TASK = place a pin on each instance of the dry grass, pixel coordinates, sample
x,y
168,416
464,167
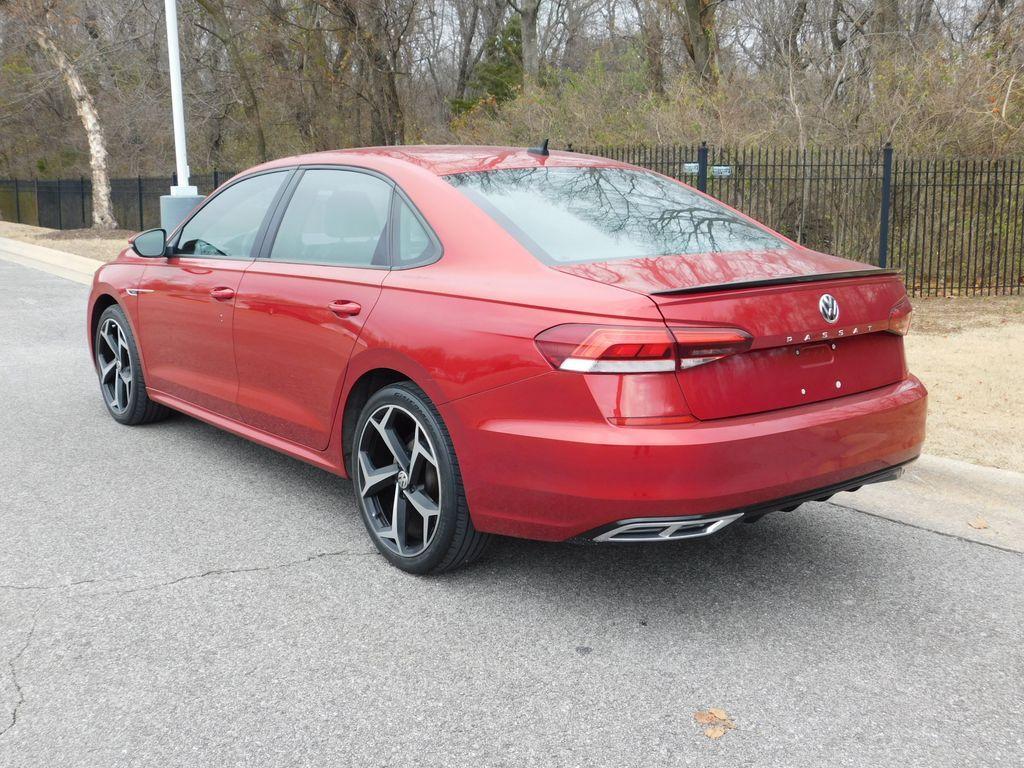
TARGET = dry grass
x,y
102,245
941,316
969,352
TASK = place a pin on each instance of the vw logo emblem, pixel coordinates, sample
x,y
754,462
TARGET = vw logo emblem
x,y
829,307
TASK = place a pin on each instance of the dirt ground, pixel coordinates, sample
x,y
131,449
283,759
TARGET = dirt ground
x,y
103,245
969,352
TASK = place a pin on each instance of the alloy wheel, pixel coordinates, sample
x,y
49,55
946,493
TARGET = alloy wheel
x,y
398,480
115,366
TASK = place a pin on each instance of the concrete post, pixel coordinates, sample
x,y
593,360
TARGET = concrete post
x,y
183,198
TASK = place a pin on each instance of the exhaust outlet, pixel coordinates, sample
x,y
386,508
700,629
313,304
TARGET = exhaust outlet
x,y
666,529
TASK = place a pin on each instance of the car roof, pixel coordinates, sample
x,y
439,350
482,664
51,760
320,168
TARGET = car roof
x,y
445,159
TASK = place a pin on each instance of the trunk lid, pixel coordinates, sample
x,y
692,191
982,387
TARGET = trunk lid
x,y
797,356
661,274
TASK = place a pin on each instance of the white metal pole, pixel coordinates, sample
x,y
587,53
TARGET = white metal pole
x,y
177,104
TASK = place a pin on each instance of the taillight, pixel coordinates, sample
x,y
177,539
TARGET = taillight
x,y
608,349
696,346
625,349
900,317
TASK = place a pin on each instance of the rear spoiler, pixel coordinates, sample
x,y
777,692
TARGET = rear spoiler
x,y
777,281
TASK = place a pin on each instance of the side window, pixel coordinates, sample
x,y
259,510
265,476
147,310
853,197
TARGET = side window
x,y
414,243
228,224
336,217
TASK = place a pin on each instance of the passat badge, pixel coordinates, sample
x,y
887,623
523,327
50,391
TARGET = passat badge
x,y
829,307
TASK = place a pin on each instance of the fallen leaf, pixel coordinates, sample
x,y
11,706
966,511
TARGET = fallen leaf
x,y
979,523
717,721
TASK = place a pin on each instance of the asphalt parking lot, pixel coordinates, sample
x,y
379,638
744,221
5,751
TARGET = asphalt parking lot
x,y
174,596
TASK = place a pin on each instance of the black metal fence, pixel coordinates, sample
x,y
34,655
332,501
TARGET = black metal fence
x,y
67,203
951,226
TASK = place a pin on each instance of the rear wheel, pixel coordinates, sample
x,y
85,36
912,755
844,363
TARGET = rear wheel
x,y
117,364
409,486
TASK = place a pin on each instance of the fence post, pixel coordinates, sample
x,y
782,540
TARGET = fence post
x,y
35,186
702,167
81,187
60,207
883,229
17,201
216,178
138,188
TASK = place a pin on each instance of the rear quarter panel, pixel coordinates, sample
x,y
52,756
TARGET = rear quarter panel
x,y
462,333
466,323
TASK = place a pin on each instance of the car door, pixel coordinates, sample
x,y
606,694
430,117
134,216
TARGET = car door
x,y
186,300
301,306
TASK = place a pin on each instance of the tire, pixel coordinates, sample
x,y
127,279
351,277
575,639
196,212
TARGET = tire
x,y
124,394
404,467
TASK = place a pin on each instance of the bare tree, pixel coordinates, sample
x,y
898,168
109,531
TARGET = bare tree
x,y
47,28
700,35
652,41
269,77
376,32
529,14
222,29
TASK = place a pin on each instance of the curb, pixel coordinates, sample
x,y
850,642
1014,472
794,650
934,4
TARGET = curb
x,y
67,265
947,496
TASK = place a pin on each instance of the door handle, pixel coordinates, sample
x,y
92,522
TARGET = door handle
x,y
344,308
222,293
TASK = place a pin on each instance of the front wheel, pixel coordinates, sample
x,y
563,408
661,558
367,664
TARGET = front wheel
x,y
117,364
409,486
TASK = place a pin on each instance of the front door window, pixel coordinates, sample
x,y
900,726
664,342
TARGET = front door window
x,y
227,226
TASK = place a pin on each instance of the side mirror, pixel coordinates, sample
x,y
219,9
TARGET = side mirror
x,y
152,243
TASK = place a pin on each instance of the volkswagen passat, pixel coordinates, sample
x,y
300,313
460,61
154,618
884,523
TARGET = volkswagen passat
x,y
502,341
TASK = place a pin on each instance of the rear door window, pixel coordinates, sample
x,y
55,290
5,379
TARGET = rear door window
x,y
414,242
336,217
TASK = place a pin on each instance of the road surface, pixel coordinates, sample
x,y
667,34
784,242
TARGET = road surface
x,y
175,596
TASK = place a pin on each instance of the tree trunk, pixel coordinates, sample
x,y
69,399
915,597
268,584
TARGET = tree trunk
x,y
385,61
922,18
838,41
251,102
653,42
702,39
529,12
387,121
102,209
378,65
885,46
467,31
795,26
652,38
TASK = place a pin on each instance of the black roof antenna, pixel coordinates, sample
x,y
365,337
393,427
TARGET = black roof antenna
x,y
542,150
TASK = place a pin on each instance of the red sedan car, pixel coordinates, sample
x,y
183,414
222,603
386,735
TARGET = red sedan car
x,y
503,341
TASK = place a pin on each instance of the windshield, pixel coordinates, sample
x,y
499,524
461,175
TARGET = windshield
x,y
576,215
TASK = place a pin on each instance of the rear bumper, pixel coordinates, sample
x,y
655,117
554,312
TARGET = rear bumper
x,y
535,464
652,529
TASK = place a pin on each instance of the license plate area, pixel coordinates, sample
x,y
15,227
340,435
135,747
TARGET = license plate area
x,y
783,377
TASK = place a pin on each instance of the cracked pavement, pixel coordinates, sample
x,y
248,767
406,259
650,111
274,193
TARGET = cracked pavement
x,y
174,596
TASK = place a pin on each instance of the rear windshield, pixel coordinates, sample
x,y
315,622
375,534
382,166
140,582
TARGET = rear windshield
x,y
577,215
